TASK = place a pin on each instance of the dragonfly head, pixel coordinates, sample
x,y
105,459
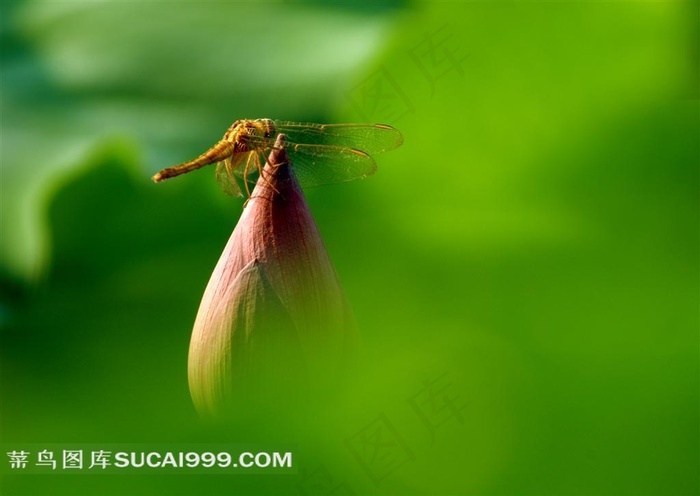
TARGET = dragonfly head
x,y
267,127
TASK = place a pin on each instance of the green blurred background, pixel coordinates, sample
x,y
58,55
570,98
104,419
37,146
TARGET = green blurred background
x,y
523,270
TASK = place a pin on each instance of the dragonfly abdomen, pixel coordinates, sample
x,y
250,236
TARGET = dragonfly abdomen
x,y
216,153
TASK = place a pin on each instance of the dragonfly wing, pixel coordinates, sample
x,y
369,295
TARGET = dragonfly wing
x,y
370,138
325,164
225,178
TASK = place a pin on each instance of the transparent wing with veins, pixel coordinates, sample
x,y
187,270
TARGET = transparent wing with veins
x,y
224,174
369,138
315,165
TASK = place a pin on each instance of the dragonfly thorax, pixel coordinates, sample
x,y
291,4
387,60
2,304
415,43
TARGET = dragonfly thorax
x,y
246,133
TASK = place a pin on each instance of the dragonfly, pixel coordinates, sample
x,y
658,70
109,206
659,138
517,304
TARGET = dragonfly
x,y
319,153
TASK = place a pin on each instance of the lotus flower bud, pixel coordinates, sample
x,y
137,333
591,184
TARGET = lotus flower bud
x,y
273,317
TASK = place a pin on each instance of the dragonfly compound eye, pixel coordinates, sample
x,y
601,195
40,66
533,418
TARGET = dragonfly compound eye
x,y
266,127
